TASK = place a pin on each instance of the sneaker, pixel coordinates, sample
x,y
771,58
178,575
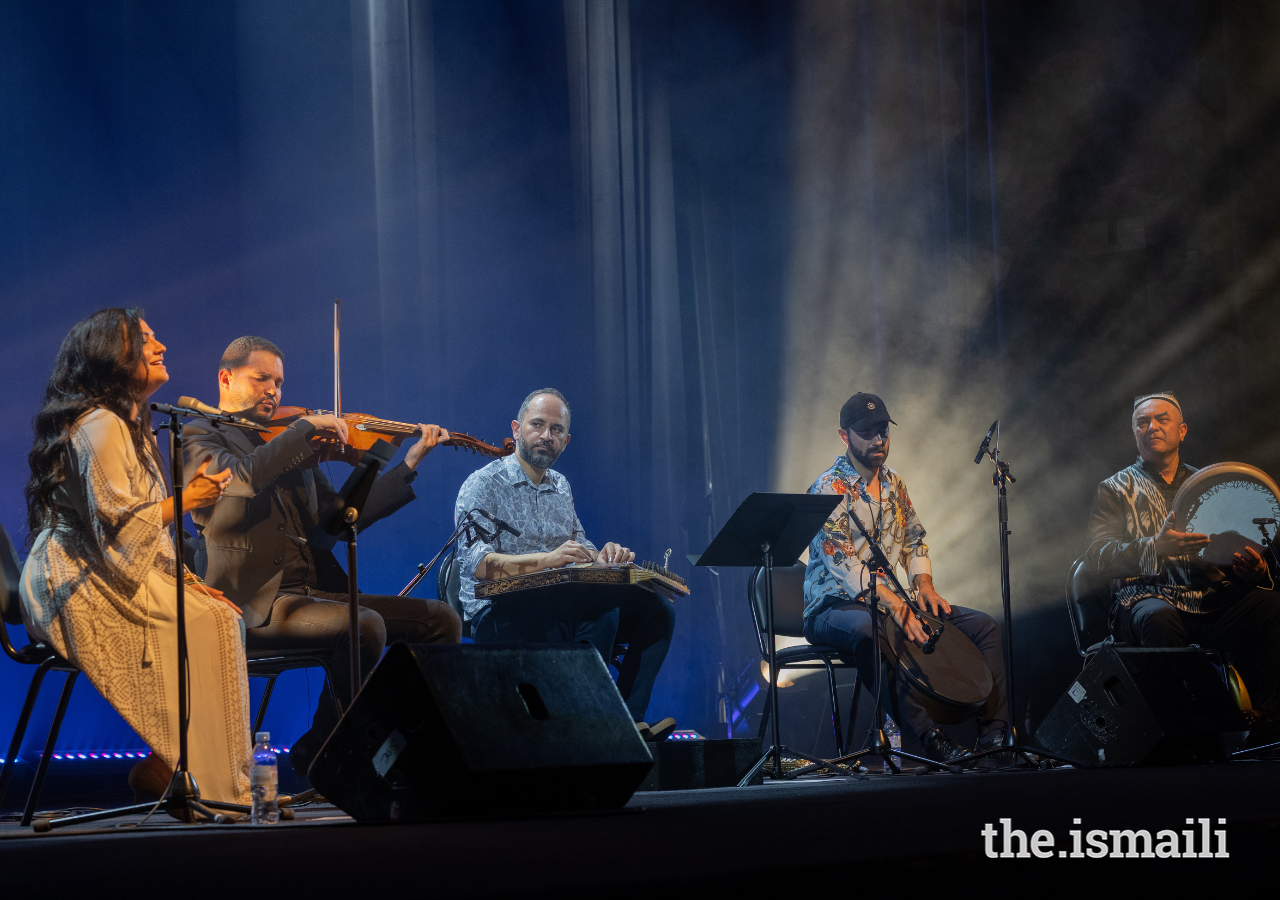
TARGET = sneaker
x,y
940,748
989,741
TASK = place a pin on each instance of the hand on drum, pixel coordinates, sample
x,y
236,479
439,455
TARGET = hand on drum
x,y
1178,543
902,614
931,599
1249,565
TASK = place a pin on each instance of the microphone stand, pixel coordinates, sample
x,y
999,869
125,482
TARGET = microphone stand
x,y
474,531
1011,744
880,745
182,800
1268,542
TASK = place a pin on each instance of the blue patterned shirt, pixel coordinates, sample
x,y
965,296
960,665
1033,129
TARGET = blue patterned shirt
x,y
836,572
543,515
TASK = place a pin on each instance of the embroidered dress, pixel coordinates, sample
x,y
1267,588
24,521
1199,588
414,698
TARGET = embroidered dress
x,y
836,573
99,587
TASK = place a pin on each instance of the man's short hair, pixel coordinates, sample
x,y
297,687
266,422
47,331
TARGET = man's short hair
x,y
238,351
524,407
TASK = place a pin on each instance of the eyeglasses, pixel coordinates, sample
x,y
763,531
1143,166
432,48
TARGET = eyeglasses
x,y
881,432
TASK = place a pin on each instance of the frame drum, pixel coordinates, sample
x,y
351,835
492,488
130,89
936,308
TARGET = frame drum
x,y
953,682
1222,501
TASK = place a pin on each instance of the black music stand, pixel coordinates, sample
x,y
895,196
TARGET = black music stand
x,y
763,528
343,518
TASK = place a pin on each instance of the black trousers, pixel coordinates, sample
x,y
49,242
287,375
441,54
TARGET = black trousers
x,y
318,620
1246,627
644,622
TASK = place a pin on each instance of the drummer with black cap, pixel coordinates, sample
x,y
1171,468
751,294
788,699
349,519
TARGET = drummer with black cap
x,y
837,581
1163,597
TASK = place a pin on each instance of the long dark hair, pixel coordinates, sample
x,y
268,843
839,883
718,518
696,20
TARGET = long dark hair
x,y
96,367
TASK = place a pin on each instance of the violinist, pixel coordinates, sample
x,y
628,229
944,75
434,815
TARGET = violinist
x,y
294,595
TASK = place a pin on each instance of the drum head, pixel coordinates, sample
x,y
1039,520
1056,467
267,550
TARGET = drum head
x,y
1222,501
954,675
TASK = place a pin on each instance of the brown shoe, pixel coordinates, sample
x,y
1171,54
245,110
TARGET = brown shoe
x,y
657,732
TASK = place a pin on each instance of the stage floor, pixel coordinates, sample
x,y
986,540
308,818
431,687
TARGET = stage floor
x,y
817,832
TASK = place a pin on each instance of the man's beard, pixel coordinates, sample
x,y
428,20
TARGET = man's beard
x,y
243,404
866,460
540,457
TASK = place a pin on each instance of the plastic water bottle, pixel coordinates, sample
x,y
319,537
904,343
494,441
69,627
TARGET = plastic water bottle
x,y
894,737
264,781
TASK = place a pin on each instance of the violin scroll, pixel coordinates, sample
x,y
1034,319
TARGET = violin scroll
x,y
460,441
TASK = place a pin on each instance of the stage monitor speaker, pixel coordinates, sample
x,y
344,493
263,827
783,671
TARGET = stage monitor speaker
x,y
1145,706
468,730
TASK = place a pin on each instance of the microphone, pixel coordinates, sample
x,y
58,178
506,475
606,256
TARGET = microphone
x,y
193,403
986,442
930,644
1264,521
502,526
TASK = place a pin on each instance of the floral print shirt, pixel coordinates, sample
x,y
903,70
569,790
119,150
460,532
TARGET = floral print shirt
x,y
836,573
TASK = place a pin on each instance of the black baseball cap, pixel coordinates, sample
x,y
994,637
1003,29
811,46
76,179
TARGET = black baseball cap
x,y
862,411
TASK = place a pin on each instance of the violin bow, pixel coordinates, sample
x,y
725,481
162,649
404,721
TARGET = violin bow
x,y
337,357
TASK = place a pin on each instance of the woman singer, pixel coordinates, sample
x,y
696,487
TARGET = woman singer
x,y
99,584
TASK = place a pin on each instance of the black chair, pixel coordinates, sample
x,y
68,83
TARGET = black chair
x,y
45,660
271,664
1089,607
449,586
788,621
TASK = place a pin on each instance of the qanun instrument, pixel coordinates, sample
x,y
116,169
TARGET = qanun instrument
x,y
1222,501
647,575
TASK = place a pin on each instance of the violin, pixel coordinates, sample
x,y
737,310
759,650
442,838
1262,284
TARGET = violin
x,y
364,430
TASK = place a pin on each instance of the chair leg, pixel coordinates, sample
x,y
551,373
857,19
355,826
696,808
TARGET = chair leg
x,y
20,730
835,708
768,710
333,695
49,744
853,709
262,705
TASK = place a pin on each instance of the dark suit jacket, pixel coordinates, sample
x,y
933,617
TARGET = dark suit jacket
x,y
244,532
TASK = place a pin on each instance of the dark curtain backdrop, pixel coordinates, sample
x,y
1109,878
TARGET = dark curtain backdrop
x,y
707,223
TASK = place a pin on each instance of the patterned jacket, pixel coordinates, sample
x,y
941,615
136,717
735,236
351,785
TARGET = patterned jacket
x,y
1128,512
836,572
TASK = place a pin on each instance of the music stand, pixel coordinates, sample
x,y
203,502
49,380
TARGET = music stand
x,y
763,528
343,517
